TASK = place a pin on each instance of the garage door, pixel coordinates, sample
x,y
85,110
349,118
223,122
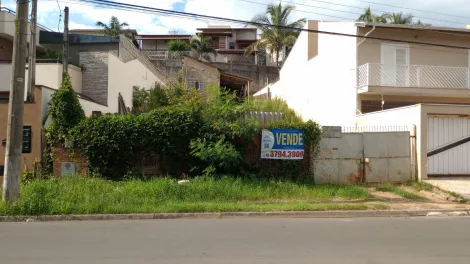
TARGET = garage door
x,y
448,145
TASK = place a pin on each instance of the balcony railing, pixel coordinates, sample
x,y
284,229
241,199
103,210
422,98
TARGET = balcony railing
x,y
417,76
225,58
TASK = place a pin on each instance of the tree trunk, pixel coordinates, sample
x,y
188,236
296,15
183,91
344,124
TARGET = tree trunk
x,y
277,58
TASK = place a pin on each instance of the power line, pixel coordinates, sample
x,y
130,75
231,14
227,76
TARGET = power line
x,y
362,8
303,11
419,10
193,15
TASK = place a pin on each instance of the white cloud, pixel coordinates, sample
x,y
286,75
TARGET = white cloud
x,y
85,15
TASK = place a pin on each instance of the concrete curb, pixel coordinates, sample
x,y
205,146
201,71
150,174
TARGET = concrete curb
x,y
302,214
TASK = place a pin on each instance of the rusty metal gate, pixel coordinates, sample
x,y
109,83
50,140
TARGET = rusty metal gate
x,y
368,157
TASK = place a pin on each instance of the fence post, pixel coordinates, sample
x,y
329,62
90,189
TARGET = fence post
x,y
414,159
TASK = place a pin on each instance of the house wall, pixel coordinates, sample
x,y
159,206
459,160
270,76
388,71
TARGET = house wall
x,y
369,51
32,114
8,29
245,34
95,75
201,72
47,74
162,44
6,49
123,76
312,87
149,44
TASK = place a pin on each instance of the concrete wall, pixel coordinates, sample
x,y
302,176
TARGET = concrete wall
x,y
244,34
369,51
47,74
194,70
123,76
8,29
313,87
32,114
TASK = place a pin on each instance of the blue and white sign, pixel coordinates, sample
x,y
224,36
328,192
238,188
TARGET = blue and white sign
x,y
285,144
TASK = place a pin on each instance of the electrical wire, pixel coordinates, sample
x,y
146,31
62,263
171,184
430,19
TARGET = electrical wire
x,y
362,8
193,15
60,16
413,9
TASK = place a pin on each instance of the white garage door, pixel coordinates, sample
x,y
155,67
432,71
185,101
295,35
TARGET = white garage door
x,y
448,145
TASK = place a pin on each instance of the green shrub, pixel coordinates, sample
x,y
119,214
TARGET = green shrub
x,y
65,111
178,45
273,105
205,131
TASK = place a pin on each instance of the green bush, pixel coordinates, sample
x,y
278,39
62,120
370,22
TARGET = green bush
x,y
273,105
65,112
189,131
178,45
111,142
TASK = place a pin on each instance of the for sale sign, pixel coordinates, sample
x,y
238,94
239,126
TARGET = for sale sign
x,y
285,144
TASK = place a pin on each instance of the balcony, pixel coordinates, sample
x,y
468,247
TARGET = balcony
x,y
408,79
155,55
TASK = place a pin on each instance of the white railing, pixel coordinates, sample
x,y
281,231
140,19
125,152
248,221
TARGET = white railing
x,y
418,76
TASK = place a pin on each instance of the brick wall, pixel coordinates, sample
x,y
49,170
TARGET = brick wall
x,y
195,70
62,155
95,75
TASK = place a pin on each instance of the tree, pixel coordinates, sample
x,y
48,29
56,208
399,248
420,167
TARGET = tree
x,y
178,45
65,111
368,16
116,28
203,46
275,37
399,18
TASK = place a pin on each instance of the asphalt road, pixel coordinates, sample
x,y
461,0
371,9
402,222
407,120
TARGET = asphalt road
x,y
259,240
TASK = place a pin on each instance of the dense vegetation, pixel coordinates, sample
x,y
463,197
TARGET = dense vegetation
x,y
189,132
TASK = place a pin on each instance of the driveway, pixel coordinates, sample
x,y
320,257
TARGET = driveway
x,y
459,185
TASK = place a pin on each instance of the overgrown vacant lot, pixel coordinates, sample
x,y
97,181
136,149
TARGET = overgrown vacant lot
x,y
93,196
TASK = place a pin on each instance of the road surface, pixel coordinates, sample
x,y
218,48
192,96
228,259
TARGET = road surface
x,y
242,240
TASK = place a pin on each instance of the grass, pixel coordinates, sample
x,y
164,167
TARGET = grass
x,y
420,186
393,189
93,196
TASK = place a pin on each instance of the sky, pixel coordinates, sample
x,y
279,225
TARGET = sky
x,y
454,13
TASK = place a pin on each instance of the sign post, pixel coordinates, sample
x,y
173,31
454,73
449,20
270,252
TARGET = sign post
x,y
284,144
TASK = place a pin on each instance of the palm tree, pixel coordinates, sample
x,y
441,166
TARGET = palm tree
x,y
278,33
203,46
116,28
369,17
399,18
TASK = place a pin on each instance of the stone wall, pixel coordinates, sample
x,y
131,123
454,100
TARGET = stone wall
x,y
260,75
95,76
196,71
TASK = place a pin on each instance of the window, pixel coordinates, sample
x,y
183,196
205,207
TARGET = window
x,y
193,83
2,169
26,140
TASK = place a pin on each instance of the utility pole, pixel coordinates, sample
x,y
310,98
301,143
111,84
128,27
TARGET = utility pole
x,y
32,53
11,181
65,59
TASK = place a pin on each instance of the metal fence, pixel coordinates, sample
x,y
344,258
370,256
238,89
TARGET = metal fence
x,y
419,76
156,55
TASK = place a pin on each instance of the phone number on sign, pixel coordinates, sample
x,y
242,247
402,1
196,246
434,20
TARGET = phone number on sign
x,y
285,154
